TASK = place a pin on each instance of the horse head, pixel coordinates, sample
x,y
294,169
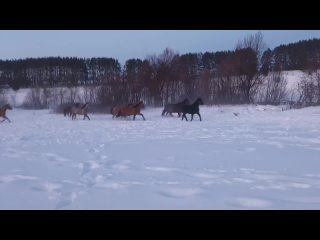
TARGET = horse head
x,y
7,106
86,105
199,101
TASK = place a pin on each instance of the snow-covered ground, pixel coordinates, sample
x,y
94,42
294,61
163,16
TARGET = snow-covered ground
x,y
263,158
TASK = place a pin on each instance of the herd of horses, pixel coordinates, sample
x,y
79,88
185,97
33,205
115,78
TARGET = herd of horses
x,y
132,109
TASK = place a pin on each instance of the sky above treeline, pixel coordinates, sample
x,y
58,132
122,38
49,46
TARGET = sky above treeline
x,y
127,44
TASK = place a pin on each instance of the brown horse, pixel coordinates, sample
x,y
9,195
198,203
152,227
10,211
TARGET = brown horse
x,y
80,110
67,109
115,110
3,110
131,110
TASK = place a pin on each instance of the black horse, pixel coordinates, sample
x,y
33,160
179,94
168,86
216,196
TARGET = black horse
x,y
175,108
192,109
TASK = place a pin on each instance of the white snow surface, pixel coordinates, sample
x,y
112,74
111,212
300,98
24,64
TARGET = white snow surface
x,y
261,158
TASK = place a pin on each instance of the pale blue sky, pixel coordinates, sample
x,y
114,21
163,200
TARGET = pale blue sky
x,y
126,44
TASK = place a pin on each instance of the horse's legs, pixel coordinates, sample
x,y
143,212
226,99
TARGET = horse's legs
x,y
163,112
191,116
184,116
5,118
142,116
86,115
199,116
134,117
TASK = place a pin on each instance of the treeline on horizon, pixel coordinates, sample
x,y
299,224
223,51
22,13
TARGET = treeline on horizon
x,y
218,77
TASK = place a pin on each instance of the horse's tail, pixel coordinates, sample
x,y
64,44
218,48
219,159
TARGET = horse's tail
x,y
119,113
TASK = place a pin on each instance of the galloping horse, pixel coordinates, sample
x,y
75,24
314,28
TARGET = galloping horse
x,y
3,110
80,110
175,108
67,109
115,110
192,109
131,110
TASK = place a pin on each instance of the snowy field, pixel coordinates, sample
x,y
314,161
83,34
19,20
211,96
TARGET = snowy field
x,y
263,158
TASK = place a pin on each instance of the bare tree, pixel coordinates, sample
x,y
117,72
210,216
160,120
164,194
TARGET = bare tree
x,y
307,91
254,41
275,88
73,93
316,80
34,99
162,80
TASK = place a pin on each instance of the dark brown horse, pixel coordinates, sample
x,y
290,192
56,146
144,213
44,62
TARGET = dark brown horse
x,y
132,109
3,110
175,108
67,111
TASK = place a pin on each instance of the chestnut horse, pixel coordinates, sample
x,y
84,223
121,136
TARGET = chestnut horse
x,y
115,110
131,110
3,110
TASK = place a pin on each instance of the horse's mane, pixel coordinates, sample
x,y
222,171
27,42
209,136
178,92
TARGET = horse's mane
x,y
84,105
137,104
196,101
184,101
6,106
